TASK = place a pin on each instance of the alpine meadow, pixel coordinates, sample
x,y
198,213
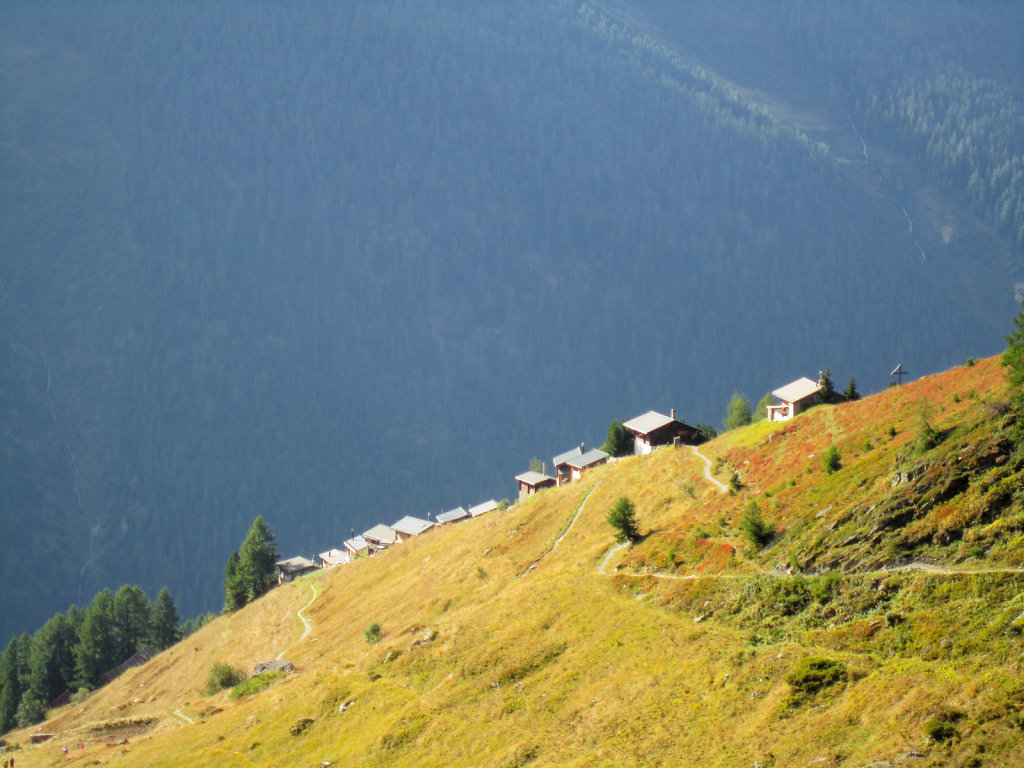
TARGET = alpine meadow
x,y
326,265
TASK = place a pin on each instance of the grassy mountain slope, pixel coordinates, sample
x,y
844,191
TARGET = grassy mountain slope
x,y
527,637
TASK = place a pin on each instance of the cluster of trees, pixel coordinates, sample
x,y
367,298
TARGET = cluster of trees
x,y
73,650
251,569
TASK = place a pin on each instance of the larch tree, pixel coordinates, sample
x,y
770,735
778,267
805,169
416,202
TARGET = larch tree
x,y
164,621
131,621
738,411
97,645
251,571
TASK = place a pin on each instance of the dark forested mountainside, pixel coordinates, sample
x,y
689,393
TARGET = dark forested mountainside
x,y
932,91
336,264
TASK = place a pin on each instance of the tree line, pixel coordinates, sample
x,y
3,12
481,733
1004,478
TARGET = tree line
x,y
73,650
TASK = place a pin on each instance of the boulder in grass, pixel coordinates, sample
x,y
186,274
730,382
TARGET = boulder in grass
x,y
273,666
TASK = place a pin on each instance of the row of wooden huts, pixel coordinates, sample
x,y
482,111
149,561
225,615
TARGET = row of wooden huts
x,y
650,430
379,538
653,429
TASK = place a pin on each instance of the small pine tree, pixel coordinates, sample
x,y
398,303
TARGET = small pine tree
x,y
831,460
738,412
851,393
620,440
828,389
622,517
753,525
234,589
373,633
762,407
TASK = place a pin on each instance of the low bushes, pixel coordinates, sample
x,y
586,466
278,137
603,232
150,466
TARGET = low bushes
x,y
222,676
813,674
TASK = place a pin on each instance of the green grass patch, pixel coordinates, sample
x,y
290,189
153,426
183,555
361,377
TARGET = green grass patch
x,y
255,684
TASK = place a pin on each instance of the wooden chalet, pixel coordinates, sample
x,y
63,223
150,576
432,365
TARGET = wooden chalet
x,y
796,397
589,460
293,567
379,538
483,508
408,527
563,472
356,546
531,482
456,515
653,429
333,557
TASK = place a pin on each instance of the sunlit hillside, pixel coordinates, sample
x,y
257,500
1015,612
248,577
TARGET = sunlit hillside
x,y
528,637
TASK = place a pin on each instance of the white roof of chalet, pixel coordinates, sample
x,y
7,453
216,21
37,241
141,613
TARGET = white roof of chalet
x,y
452,515
533,478
295,563
334,556
381,533
483,508
797,390
412,526
564,457
591,457
355,545
648,422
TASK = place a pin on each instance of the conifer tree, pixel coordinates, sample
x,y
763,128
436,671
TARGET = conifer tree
x,y
257,557
851,393
10,686
234,590
251,571
620,440
738,412
828,389
52,659
163,621
622,517
131,621
96,647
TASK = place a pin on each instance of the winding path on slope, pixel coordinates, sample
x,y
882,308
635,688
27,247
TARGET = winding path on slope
x,y
935,570
305,623
178,713
565,533
707,470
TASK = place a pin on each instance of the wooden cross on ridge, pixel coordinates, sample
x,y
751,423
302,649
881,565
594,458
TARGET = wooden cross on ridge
x,y
899,373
